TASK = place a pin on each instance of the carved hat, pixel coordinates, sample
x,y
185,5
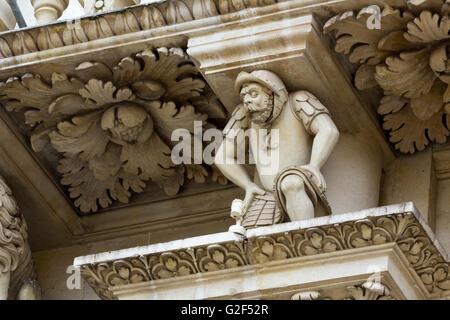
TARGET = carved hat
x,y
269,80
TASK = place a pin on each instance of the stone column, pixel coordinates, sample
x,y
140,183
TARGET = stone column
x,y
7,19
17,275
93,6
47,11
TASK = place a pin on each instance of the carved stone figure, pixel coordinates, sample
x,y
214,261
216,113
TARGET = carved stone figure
x,y
17,276
297,186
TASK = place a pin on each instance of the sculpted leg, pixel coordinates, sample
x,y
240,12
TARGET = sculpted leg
x,y
4,285
298,204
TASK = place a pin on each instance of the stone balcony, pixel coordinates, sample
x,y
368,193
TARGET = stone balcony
x,y
381,253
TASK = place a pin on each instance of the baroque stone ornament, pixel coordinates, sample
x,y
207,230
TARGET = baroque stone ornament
x,y
127,21
112,126
47,11
7,19
263,250
407,57
287,178
369,290
17,275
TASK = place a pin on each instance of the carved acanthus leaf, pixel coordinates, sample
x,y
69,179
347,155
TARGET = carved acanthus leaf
x,y
428,27
112,125
408,133
407,58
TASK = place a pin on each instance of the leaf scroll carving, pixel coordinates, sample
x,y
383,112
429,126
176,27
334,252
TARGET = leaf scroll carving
x,y
112,125
408,59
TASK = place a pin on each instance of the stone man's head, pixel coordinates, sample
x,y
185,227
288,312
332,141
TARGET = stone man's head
x,y
263,94
258,102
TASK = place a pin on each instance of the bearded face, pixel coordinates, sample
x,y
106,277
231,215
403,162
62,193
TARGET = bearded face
x,y
258,102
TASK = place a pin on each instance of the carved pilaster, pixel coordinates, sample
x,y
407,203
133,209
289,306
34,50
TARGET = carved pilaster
x,y
47,11
7,19
16,264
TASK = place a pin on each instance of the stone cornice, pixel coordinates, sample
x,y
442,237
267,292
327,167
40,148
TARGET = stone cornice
x,y
400,225
125,25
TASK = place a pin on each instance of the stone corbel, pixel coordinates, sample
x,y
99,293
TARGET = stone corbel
x,y
18,279
7,19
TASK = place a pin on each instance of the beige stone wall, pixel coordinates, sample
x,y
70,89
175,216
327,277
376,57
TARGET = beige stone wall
x,y
443,213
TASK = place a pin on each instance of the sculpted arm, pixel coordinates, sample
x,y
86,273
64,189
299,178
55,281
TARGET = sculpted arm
x,y
325,139
227,164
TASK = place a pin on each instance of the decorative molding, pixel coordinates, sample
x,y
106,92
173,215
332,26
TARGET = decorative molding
x,y
369,290
405,229
407,58
112,126
129,20
15,252
13,231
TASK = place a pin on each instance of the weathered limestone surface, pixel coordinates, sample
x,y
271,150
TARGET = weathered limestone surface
x,y
281,259
7,19
17,274
223,39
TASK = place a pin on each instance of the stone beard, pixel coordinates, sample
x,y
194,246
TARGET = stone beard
x,y
258,112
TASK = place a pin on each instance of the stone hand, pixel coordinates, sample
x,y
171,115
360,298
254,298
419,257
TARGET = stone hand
x,y
317,174
251,191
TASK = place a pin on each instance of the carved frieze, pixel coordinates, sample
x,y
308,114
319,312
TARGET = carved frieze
x,y
404,229
405,54
143,17
112,125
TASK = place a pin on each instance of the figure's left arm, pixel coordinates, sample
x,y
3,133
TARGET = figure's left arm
x,y
326,136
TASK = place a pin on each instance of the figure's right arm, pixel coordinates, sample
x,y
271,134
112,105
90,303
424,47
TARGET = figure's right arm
x,y
228,165
225,157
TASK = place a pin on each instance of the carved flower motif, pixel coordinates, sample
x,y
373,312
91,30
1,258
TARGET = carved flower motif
x,y
172,266
408,57
113,126
268,250
123,272
315,244
366,236
437,278
218,257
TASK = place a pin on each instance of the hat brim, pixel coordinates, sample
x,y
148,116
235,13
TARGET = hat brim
x,y
245,77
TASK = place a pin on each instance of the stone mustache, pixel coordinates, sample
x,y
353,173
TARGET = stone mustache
x,y
307,136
